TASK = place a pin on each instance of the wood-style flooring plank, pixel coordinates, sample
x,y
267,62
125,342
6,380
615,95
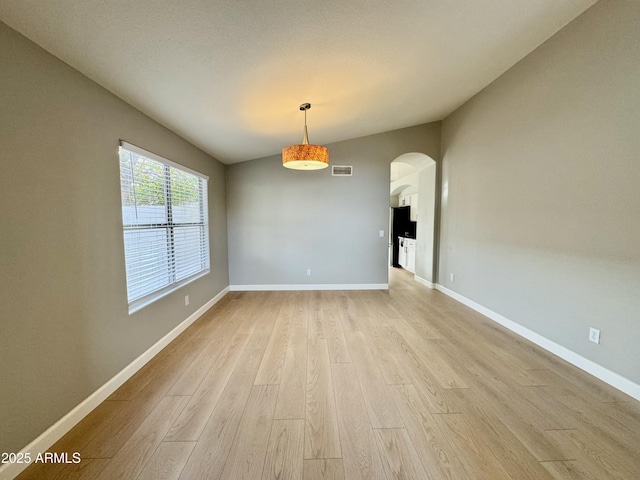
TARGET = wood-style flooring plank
x,y
360,455
470,451
446,371
301,310
119,428
572,375
160,375
603,418
321,426
87,469
519,415
80,435
420,374
338,350
219,334
216,317
625,413
553,414
250,314
285,452
316,317
167,462
377,395
569,470
411,312
265,320
136,452
270,371
380,310
385,351
585,440
194,417
510,452
400,459
440,456
292,398
192,377
214,444
247,455
586,456
323,469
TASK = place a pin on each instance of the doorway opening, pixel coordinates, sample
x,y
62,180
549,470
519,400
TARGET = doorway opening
x,y
412,201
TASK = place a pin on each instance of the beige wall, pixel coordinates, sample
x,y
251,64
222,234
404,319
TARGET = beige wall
x,y
64,326
541,190
426,222
282,222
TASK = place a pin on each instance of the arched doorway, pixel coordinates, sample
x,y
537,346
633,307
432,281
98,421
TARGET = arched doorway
x,y
412,195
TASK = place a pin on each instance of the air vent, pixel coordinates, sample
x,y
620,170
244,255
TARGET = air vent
x,y
341,170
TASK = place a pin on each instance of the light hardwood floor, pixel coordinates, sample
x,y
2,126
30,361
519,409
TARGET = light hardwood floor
x,y
404,384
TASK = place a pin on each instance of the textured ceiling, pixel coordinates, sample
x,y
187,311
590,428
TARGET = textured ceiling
x,y
229,75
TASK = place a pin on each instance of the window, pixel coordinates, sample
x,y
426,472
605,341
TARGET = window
x,y
165,220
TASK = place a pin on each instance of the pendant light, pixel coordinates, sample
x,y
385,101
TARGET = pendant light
x,y
305,156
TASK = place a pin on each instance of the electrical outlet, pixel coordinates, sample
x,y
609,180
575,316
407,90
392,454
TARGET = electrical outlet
x,y
308,272
594,335
186,299
452,277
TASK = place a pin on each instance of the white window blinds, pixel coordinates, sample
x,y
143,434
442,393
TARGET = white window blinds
x,y
165,220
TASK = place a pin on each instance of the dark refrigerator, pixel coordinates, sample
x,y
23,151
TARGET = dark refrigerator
x,y
401,226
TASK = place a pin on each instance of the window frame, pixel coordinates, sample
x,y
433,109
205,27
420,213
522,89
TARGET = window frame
x,y
173,285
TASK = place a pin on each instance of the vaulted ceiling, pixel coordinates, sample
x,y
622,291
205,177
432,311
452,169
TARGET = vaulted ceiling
x,y
229,75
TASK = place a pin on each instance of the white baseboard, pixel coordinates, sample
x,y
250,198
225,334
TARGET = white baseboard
x,y
71,419
423,281
612,378
322,286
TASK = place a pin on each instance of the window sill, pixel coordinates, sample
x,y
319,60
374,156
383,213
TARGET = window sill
x,y
157,295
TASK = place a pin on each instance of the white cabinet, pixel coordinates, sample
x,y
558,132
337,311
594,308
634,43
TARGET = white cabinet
x,y
410,201
407,254
411,255
402,253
